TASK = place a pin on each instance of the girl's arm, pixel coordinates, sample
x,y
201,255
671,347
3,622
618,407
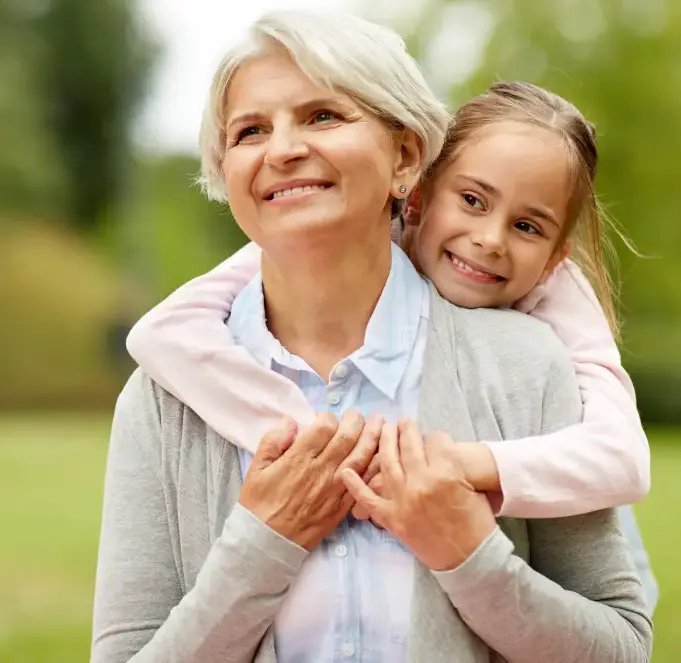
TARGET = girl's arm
x,y
185,346
605,460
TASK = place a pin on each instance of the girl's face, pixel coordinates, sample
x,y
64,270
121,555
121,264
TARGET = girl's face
x,y
491,222
305,164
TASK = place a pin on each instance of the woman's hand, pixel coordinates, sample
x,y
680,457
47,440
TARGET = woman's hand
x,y
293,485
428,504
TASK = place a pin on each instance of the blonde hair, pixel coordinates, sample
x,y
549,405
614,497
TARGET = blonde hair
x,y
368,62
587,223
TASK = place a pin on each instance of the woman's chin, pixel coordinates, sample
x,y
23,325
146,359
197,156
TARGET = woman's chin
x,y
307,229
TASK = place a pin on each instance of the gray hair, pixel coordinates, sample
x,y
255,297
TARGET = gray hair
x,y
366,61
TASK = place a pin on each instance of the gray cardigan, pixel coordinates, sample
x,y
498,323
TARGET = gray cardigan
x,y
186,575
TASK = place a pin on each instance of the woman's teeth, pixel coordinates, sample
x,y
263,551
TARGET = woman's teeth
x,y
298,190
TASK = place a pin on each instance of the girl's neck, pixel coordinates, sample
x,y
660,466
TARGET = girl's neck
x,y
318,307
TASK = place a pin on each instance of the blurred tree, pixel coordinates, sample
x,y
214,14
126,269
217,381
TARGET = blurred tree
x,y
31,181
93,74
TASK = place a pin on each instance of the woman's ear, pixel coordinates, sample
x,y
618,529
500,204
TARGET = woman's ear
x,y
412,208
558,256
408,163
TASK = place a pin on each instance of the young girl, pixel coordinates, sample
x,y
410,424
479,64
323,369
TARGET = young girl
x,y
487,235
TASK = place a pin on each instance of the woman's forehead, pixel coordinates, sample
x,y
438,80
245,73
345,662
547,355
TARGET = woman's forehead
x,y
273,80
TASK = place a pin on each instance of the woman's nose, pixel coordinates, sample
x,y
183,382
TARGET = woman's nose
x,y
286,144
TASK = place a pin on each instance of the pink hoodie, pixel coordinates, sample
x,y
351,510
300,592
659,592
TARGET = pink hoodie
x,y
184,345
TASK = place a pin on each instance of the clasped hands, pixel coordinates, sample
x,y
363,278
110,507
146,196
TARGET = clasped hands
x,y
303,483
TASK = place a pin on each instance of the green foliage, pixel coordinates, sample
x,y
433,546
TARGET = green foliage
x,y
31,172
168,232
73,74
94,75
59,298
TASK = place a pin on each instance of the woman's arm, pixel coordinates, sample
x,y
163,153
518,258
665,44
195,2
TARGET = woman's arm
x,y
184,345
143,613
603,461
579,600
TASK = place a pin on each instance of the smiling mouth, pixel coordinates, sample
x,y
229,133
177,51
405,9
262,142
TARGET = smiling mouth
x,y
298,191
473,273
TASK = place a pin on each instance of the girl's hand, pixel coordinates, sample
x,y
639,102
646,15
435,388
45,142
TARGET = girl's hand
x,y
476,461
430,507
293,485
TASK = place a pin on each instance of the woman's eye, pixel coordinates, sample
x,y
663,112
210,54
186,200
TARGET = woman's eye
x,y
246,133
473,201
526,227
324,116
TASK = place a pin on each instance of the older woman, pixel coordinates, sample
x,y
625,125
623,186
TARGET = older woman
x,y
315,130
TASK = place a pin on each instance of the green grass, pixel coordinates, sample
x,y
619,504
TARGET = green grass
x,y
51,472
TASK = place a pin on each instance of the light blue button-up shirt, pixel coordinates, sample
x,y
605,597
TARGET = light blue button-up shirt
x,y
352,600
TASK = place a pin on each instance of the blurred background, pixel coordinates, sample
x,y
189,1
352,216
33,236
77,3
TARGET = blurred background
x,y
100,104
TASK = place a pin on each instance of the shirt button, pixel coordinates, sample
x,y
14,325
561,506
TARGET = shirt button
x,y
341,371
348,649
333,398
341,550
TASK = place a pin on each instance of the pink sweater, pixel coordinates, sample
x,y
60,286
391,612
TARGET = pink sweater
x,y
603,462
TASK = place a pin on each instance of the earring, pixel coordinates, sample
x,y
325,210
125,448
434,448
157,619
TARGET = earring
x,y
403,188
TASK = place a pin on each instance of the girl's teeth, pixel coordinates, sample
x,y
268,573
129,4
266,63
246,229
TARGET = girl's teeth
x,y
462,265
297,190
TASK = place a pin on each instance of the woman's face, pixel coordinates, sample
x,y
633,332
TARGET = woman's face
x,y
303,163
491,221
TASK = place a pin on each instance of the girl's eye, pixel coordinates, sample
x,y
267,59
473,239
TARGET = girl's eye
x,y
473,201
526,227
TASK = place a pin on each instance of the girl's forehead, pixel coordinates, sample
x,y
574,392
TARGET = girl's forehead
x,y
522,164
513,151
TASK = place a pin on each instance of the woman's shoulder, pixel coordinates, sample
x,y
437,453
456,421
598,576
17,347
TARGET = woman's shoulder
x,y
143,402
167,429
506,335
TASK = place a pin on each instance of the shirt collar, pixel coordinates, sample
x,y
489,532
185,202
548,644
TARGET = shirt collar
x,y
390,336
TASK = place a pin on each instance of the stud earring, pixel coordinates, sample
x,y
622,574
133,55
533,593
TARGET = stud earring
x,y
403,188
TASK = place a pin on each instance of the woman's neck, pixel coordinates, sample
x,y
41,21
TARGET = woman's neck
x,y
319,307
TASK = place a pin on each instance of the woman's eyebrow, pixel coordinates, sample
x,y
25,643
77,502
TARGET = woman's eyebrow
x,y
246,118
304,106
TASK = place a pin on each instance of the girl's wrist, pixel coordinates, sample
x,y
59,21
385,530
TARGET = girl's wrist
x,y
479,466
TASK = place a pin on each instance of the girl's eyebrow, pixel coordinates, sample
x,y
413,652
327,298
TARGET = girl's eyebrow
x,y
482,184
540,212
543,213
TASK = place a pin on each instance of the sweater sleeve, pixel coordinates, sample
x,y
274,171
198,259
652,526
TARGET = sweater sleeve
x,y
578,600
602,462
184,345
143,613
